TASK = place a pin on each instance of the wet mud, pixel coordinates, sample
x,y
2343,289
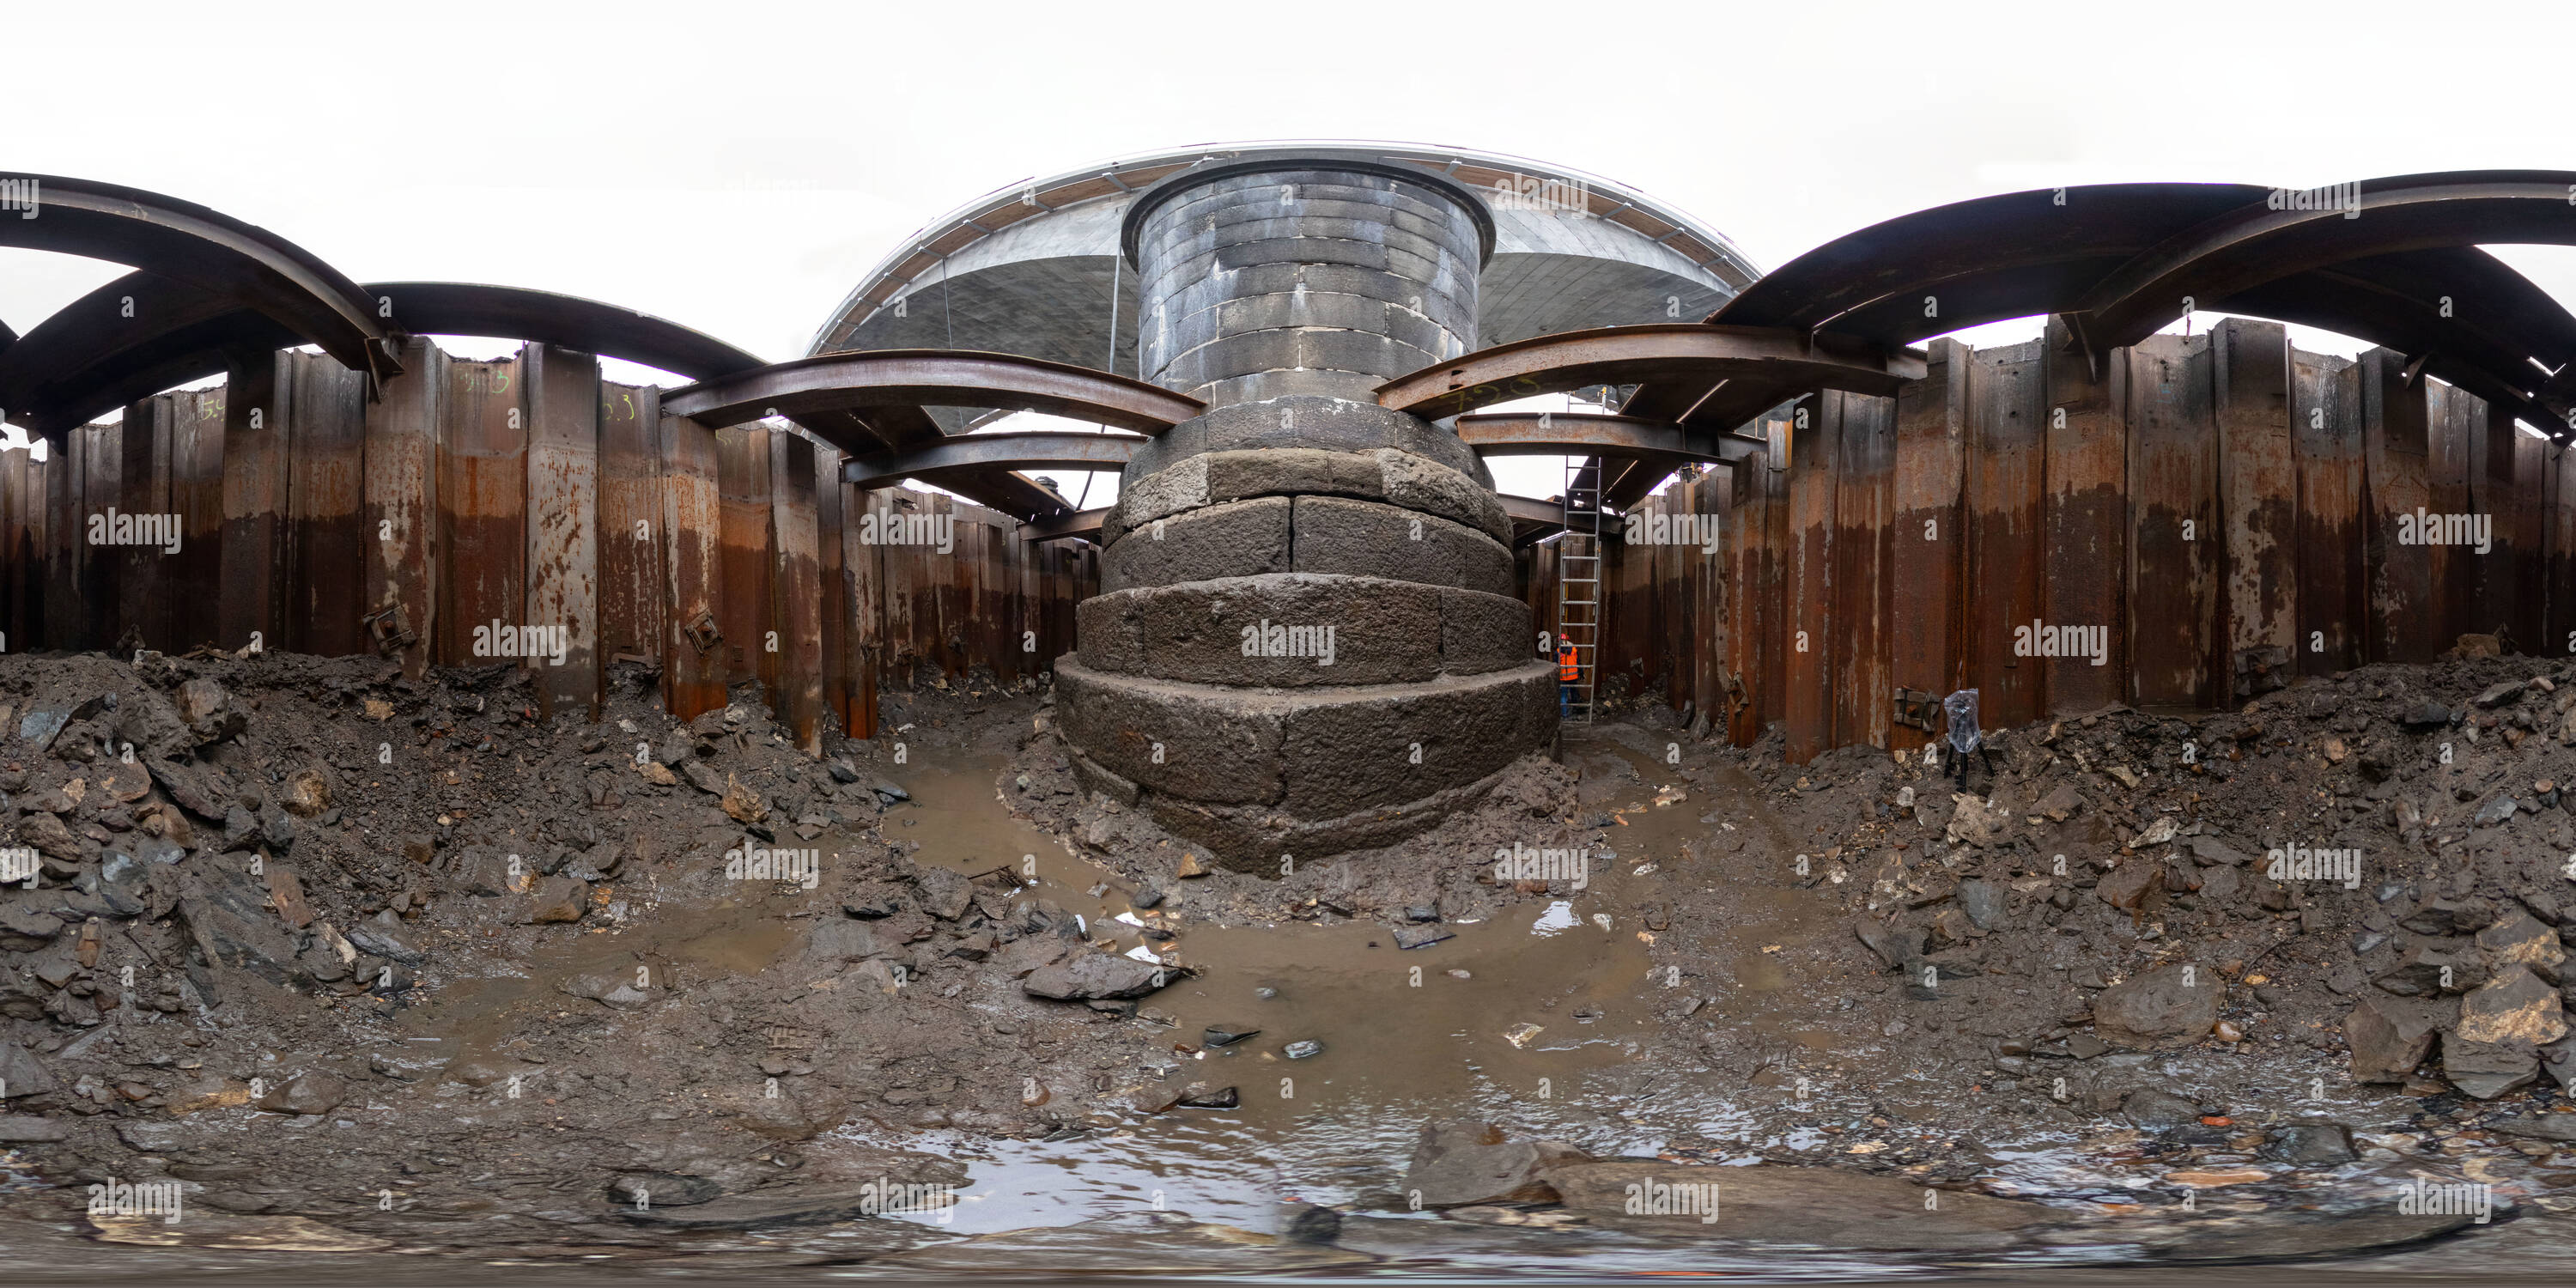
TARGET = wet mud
x,y
637,995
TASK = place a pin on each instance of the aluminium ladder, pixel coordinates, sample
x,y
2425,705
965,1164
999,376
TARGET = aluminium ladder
x,y
1578,580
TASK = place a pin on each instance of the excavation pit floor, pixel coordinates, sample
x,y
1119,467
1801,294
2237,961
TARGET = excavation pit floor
x,y
761,1051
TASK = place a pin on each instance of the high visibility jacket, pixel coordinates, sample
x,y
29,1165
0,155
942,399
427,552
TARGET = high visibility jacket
x,y
1566,672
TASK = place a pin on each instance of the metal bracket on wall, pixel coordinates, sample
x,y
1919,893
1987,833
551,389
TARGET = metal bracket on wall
x,y
701,632
1915,708
390,628
2262,669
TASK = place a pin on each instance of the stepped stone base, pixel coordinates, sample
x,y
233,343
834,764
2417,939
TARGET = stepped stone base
x,y
1244,770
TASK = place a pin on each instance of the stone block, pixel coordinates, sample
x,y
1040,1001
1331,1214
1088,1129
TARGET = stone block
x,y
1380,631
1367,539
1239,539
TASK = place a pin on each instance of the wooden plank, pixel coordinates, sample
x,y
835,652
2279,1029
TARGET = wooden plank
x,y
2005,507
2174,540
17,550
742,478
2454,421
43,480
907,615
1702,628
2558,467
828,554
39,566
144,597
2326,436
325,497
66,470
2527,592
2086,535
1816,433
1764,490
102,563
2402,623
1928,558
1864,571
197,492
796,592
561,387
631,579
257,411
863,580
2251,388
693,654
401,495
65,622
482,491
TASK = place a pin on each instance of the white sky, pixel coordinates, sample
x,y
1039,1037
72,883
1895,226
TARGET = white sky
x,y
737,167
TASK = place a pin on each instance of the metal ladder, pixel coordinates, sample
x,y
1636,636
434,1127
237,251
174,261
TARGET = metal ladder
x,y
1578,579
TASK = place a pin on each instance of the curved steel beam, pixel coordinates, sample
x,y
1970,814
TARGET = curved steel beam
x,y
2259,242
984,453
129,339
2022,233
215,253
510,312
143,333
1587,434
2053,251
931,378
1072,523
1532,519
1669,353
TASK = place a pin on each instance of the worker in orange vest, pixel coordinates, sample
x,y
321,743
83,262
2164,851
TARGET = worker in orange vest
x,y
1568,675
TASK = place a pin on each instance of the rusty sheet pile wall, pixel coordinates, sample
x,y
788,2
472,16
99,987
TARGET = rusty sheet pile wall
x,y
478,506
2226,511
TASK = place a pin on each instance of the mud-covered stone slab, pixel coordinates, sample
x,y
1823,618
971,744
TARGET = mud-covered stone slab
x,y
1795,1206
1145,1243
1284,630
1317,753
1201,742
822,1205
1399,743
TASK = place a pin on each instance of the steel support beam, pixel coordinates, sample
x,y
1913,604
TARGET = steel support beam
x,y
1591,434
984,453
215,253
931,378
1673,353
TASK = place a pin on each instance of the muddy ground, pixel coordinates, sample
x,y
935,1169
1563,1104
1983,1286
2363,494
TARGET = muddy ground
x,y
370,966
